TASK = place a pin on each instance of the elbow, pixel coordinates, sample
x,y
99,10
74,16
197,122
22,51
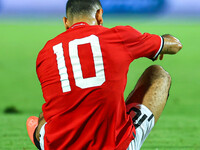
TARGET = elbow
x,y
179,46
176,47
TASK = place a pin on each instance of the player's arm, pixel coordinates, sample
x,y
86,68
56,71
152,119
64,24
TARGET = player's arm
x,y
147,45
171,45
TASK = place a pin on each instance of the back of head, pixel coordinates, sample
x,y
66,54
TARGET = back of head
x,y
79,8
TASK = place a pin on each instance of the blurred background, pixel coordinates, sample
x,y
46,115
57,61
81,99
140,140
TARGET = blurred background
x,y
25,27
118,6
50,8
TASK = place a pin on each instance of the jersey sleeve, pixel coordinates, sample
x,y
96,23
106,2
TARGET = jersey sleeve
x,y
140,45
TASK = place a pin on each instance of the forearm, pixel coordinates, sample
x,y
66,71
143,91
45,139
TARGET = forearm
x,y
171,44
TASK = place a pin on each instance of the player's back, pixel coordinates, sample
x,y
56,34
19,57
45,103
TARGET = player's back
x,y
83,74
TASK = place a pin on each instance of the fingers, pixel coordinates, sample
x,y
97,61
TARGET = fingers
x,y
161,56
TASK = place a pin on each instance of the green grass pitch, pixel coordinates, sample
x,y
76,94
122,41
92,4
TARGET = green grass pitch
x,y
178,127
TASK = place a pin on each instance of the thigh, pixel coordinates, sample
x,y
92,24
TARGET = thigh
x,y
143,120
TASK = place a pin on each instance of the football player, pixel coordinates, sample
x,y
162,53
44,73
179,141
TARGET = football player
x,y
83,74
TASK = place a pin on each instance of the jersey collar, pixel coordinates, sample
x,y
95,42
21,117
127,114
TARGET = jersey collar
x,y
79,24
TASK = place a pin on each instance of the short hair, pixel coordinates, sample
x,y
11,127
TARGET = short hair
x,y
78,7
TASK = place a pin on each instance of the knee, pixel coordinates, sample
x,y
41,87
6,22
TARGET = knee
x,y
158,72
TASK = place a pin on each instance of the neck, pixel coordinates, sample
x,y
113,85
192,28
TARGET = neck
x,y
90,21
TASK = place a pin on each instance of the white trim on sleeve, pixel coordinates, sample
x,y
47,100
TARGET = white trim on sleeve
x,y
160,49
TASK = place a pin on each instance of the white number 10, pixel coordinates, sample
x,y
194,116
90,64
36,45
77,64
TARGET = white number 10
x,y
81,82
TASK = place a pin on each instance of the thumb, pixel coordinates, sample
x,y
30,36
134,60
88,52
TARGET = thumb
x,y
161,56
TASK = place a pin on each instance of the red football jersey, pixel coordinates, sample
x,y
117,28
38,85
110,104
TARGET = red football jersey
x,y
83,74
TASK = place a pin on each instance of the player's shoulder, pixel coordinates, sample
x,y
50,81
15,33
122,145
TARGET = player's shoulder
x,y
127,33
118,28
42,53
52,42
127,29
43,50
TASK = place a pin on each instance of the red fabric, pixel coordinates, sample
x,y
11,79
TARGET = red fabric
x,y
92,118
84,51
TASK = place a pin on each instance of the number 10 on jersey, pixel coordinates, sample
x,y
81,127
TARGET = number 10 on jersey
x,y
81,82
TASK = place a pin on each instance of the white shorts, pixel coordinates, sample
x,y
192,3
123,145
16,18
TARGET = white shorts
x,y
42,133
143,120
